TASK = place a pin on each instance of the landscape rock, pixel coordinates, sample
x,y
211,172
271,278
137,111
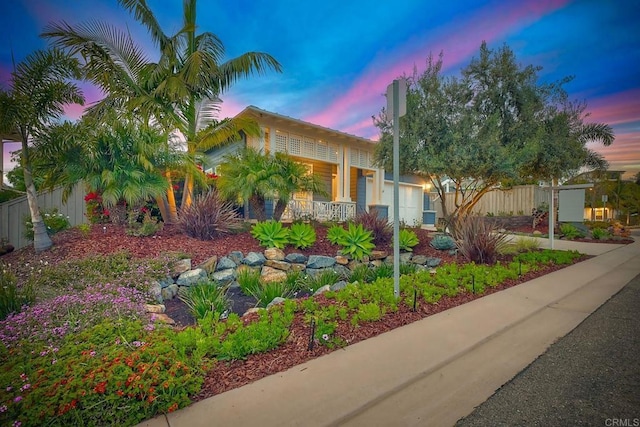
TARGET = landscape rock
x,y
209,265
298,267
320,261
170,292
278,265
342,270
191,277
252,310
322,290
155,290
274,254
167,281
342,260
181,266
163,318
224,277
225,263
270,274
276,300
405,257
378,255
154,308
433,262
339,285
296,258
419,259
237,257
254,259
376,263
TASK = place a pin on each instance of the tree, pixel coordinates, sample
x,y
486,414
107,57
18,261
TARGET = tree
x,y
494,124
40,88
181,91
254,177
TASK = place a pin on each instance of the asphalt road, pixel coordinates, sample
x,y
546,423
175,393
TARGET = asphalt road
x,y
590,377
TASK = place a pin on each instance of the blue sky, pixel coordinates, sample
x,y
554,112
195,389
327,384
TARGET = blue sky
x,y
339,56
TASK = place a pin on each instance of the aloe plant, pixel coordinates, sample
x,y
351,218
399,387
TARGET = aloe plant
x,y
271,234
302,235
356,241
442,242
408,240
335,233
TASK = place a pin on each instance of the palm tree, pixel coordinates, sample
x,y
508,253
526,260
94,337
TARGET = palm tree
x,y
40,88
182,90
251,176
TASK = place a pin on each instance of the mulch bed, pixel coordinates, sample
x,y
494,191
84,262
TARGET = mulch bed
x,y
224,376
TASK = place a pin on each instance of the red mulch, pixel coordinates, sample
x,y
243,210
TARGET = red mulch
x,y
226,376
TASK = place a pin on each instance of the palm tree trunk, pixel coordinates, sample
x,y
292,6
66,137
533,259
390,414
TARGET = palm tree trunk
x,y
257,204
41,239
279,210
172,214
187,192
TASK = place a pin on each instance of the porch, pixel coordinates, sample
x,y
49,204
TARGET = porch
x,y
319,210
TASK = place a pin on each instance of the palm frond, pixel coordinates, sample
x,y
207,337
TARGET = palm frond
x,y
599,132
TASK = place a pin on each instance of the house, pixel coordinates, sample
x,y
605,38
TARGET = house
x,y
344,162
601,200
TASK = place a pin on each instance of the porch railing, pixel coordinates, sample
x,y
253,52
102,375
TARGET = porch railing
x,y
320,211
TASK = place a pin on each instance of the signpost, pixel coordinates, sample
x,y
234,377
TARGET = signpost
x,y
396,108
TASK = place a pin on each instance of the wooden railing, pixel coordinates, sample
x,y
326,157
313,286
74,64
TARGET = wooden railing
x,y
320,211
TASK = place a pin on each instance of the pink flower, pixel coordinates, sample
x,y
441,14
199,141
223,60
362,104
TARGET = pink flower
x,y
17,399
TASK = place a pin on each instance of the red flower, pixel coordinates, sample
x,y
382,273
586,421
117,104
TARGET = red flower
x,y
173,407
176,187
101,387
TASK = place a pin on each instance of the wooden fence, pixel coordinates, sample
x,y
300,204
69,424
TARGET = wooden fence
x,y
519,200
13,212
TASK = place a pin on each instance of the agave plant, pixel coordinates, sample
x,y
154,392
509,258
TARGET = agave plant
x,y
356,242
271,234
302,235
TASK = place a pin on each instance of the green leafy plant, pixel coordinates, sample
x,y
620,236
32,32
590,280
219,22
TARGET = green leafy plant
x,y
408,240
85,229
570,231
12,298
209,216
356,242
335,233
148,227
267,291
54,221
599,233
205,297
271,234
249,280
478,239
313,283
442,242
381,229
302,235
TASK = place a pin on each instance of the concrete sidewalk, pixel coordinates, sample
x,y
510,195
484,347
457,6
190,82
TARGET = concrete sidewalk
x,y
431,372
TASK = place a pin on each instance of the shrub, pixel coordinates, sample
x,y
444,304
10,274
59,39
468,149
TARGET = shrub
x,y
570,231
13,299
380,228
356,242
85,229
599,233
148,227
208,217
302,235
313,283
205,297
335,233
54,221
442,242
271,234
526,244
479,240
408,240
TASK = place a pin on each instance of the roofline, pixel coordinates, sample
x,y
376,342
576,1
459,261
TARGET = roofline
x,y
252,109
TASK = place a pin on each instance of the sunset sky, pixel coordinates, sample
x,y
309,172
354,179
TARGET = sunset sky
x,y
339,56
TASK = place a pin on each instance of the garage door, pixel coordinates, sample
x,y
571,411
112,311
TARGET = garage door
x,y
410,201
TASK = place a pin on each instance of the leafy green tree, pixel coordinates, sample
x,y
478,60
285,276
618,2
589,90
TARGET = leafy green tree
x,y
40,88
254,177
493,124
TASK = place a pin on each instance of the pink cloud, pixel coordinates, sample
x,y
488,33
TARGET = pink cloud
x,y
365,95
622,107
230,108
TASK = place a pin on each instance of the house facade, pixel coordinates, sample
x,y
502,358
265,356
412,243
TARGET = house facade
x,y
344,162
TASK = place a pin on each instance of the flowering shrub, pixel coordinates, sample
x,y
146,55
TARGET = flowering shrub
x,y
96,212
12,298
115,373
54,221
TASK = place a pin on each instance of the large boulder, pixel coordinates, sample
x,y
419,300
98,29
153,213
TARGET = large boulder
x,y
191,277
278,265
210,264
254,259
274,254
270,274
296,258
225,263
320,261
224,277
237,257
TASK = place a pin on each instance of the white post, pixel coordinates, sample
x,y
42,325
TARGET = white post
x,y
396,187
551,216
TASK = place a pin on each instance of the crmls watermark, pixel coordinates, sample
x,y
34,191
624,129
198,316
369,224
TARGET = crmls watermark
x,y
622,422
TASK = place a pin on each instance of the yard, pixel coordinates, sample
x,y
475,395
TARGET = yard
x,y
86,349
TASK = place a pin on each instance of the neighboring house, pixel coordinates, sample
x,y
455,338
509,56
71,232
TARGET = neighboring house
x,y
345,164
600,201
